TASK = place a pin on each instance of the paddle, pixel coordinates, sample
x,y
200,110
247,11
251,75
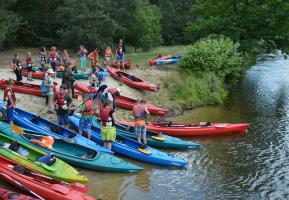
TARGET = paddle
x,y
76,186
20,185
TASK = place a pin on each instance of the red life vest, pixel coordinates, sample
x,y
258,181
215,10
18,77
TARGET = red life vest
x,y
60,100
104,116
89,108
53,55
95,59
139,111
12,95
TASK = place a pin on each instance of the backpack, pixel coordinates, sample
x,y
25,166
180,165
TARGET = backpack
x,y
43,87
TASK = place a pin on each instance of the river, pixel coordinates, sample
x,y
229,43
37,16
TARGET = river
x,y
254,165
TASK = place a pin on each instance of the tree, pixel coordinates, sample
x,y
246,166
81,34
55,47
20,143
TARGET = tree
x,y
84,22
144,28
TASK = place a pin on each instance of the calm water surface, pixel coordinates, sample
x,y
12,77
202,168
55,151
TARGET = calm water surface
x,y
245,166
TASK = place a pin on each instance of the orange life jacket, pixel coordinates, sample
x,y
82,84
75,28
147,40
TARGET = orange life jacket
x,y
139,111
89,108
12,95
46,141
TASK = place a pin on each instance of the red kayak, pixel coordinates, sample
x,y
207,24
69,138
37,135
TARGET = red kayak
x,y
25,88
160,57
40,185
132,80
128,103
9,195
117,64
82,87
37,75
186,129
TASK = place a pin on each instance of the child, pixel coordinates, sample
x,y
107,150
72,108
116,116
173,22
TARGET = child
x,y
53,58
17,67
65,57
120,50
29,66
42,57
85,121
94,57
50,86
108,56
93,79
10,98
82,53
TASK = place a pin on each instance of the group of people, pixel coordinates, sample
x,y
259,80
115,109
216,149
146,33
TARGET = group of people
x,y
100,102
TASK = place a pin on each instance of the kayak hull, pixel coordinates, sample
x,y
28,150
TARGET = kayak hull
x,y
43,186
76,155
116,64
36,75
8,195
129,148
135,83
184,129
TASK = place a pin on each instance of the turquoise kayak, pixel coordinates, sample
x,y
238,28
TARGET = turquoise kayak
x,y
132,149
154,139
74,154
77,76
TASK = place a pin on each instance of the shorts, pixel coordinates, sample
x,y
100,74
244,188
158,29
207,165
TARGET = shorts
x,y
140,131
63,119
120,57
85,123
29,69
10,114
108,133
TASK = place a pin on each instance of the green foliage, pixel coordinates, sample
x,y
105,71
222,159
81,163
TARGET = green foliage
x,y
84,22
144,27
217,55
190,91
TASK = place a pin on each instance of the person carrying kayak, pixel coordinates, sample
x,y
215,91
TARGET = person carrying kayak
x,y
140,112
108,130
120,50
10,98
29,66
17,67
63,103
85,121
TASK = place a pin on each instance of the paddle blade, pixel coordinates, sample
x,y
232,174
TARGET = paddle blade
x,y
158,138
144,151
17,129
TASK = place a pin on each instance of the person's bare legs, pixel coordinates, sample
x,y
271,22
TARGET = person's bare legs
x,y
109,145
89,134
51,102
144,139
80,131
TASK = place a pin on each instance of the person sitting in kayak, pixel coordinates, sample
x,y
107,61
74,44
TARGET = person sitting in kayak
x,y
85,121
108,119
10,98
140,112
63,103
29,66
120,50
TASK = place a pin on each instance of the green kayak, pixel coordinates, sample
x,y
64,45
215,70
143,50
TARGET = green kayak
x,y
26,155
75,154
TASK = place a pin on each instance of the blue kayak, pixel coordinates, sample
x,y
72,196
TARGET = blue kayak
x,y
132,148
74,154
172,60
45,127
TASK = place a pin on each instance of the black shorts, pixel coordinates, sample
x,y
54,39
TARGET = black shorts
x,y
29,69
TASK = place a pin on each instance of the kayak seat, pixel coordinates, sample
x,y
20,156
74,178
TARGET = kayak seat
x,y
89,155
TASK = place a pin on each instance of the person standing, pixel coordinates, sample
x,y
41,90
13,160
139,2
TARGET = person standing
x,y
29,66
53,58
108,130
82,54
63,104
94,58
10,98
50,90
111,94
140,112
42,58
17,67
67,78
93,81
85,121
120,50
108,56
65,57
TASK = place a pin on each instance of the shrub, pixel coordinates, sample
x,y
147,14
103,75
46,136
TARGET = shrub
x,y
218,55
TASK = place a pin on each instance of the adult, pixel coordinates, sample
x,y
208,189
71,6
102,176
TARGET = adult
x,y
53,58
93,56
140,112
10,98
63,102
65,57
111,94
108,130
82,55
42,58
85,121
29,64
50,90
93,81
17,67
68,78
120,51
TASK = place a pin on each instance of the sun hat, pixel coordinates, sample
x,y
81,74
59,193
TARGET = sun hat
x,y
50,71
